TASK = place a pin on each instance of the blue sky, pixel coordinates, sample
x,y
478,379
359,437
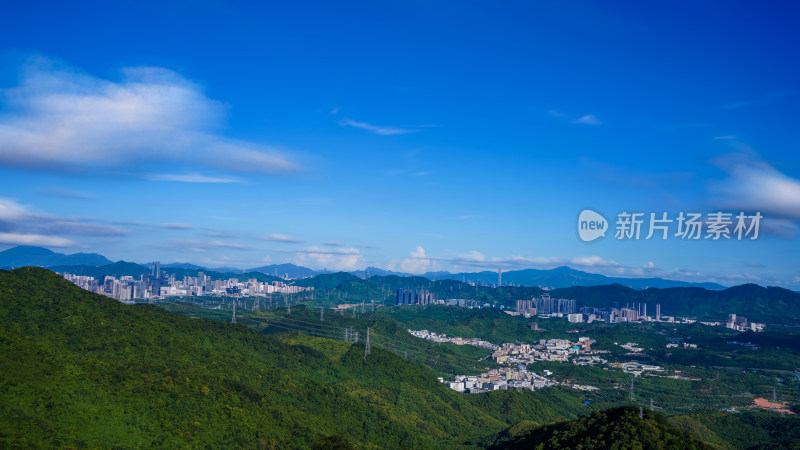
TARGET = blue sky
x,y
407,135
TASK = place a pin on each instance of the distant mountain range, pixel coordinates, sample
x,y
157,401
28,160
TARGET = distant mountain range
x,y
38,256
702,300
560,277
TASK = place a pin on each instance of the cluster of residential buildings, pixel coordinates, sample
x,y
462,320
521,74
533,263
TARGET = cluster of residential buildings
x,y
157,284
440,337
415,297
498,379
616,313
739,323
561,307
546,350
545,305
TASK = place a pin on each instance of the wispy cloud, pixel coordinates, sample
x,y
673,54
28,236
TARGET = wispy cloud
x,y
189,178
376,129
588,119
754,185
219,233
201,246
334,243
19,225
62,192
37,240
59,118
420,262
176,226
281,238
764,98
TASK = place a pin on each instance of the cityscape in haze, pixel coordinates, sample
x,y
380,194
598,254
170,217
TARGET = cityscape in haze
x,y
399,224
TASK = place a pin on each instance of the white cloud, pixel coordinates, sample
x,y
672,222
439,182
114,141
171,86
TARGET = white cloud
x,y
421,262
376,129
588,119
281,238
334,243
418,263
36,239
11,211
756,186
21,226
61,119
345,259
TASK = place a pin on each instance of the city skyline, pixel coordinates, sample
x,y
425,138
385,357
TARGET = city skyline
x,y
410,137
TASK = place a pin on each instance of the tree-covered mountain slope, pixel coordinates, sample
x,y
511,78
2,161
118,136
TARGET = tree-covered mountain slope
x,y
616,428
79,369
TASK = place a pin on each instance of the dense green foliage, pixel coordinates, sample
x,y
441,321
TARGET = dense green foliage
x,y
759,304
327,280
83,370
617,428
751,429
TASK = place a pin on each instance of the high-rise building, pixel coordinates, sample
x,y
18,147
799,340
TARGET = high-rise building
x,y
526,307
155,278
412,297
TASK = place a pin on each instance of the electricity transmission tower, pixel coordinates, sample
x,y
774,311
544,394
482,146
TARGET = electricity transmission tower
x,y
233,318
321,314
366,349
632,397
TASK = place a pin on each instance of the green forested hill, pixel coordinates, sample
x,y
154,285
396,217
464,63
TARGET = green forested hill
x,y
82,370
79,369
617,428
